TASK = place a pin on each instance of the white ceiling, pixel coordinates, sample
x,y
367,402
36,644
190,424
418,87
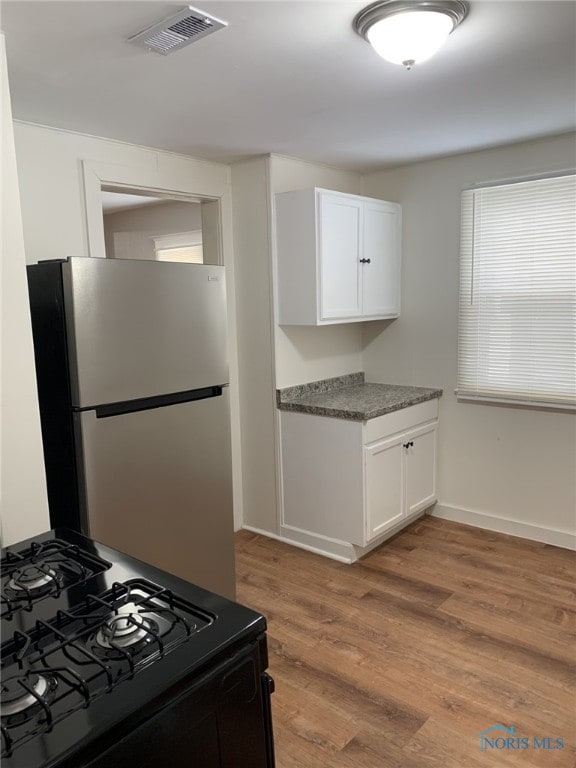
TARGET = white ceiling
x,y
113,202
292,77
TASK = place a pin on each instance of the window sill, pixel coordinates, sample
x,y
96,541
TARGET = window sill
x,y
518,402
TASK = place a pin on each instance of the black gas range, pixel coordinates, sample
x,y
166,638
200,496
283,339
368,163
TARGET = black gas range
x,y
109,662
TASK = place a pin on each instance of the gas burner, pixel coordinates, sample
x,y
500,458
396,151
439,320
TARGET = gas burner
x,y
55,667
43,569
22,692
32,578
127,628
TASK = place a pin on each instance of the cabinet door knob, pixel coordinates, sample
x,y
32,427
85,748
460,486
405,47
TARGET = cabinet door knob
x,y
364,261
409,445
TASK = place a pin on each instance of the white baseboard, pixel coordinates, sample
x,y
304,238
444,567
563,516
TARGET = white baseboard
x,y
342,551
310,542
261,532
333,548
557,538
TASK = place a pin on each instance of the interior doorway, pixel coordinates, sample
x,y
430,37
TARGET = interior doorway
x,y
138,225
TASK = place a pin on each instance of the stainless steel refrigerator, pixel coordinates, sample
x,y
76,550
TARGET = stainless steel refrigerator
x,y
131,362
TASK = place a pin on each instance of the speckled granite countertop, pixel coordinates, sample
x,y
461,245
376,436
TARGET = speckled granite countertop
x,y
350,397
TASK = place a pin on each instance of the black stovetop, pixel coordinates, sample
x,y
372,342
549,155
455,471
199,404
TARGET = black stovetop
x,y
93,639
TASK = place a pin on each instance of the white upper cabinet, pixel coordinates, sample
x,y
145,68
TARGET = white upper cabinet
x,y
337,257
339,234
382,233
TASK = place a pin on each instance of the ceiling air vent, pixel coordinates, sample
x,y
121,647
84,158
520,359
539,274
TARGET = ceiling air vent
x,y
175,32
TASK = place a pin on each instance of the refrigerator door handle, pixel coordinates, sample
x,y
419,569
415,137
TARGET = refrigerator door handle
x,y
146,403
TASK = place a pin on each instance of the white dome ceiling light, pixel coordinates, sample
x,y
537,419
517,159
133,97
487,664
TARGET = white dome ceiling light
x,y
409,31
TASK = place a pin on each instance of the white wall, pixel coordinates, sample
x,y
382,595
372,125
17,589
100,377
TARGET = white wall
x,y
148,221
52,185
503,462
250,198
55,216
305,353
24,504
269,356
508,463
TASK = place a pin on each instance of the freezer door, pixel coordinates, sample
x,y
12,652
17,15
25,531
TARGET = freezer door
x,y
143,328
158,487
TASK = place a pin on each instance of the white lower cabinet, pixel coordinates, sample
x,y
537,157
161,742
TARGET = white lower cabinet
x,y
352,482
420,469
399,478
384,477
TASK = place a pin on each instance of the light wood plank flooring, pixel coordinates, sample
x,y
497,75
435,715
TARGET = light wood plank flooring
x,y
402,659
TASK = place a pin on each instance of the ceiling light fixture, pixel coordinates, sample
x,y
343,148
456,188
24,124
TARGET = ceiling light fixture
x,y
409,31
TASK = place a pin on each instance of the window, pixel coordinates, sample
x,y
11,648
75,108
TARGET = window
x,y
517,318
184,246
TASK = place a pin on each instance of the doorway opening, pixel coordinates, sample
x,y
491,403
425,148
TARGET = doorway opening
x,y
141,225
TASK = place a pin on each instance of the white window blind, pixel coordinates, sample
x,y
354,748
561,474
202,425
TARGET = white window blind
x,y
180,246
191,254
517,313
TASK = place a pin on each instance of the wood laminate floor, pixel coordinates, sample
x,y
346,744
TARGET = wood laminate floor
x,y
402,659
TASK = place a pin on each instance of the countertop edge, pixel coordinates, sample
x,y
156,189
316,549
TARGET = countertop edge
x,y
286,394
358,415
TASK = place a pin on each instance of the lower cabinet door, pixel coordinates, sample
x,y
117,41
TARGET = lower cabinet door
x,y
420,468
384,486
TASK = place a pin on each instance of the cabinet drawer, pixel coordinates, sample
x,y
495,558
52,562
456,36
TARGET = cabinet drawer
x,y
399,421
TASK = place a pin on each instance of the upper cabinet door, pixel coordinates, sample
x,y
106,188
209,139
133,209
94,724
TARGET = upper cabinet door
x,y
337,257
381,251
339,234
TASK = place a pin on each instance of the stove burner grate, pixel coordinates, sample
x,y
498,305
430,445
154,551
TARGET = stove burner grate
x,y
43,569
22,692
65,664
